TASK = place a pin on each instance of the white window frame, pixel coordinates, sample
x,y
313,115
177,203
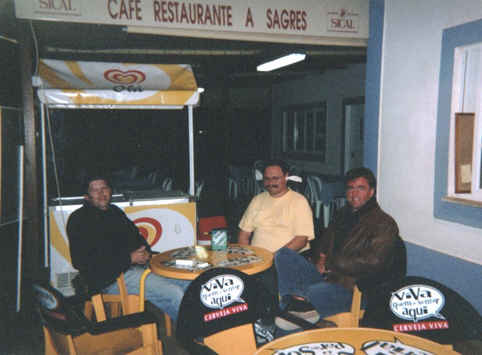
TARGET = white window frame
x,y
467,98
300,114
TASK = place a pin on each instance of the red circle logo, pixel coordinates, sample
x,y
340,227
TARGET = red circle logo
x,y
128,77
150,229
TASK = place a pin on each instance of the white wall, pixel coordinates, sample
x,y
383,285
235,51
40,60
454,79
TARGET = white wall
x,y
408,117
332,87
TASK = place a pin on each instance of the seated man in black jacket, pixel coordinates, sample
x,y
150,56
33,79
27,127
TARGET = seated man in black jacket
x,y
104,243
360,246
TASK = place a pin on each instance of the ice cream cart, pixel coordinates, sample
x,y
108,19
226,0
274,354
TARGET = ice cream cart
x,y
167,219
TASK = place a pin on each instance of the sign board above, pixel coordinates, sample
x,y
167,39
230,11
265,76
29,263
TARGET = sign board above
x,y
344,19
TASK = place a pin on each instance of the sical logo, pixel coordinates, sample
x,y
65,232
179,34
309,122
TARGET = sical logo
x,y
125,79
221,291
150,229
417,302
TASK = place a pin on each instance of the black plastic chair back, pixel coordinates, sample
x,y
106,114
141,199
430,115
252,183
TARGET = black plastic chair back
x,y
56,312
220,299
425,308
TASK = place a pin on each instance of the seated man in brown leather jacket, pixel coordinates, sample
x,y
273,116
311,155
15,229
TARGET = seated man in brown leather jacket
x,y
360,246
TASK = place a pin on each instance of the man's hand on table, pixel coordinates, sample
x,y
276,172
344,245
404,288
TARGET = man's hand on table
x,y
140,256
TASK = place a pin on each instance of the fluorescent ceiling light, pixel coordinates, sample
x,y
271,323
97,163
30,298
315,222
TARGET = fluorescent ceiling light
x,y
281,62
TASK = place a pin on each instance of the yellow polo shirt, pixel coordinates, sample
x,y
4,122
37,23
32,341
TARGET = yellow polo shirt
x,y
275,221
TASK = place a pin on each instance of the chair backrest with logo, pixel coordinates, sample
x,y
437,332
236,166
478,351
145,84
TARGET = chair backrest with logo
x,y
220,307
425,308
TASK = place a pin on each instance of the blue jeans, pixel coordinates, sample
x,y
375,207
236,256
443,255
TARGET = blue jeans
x,y
165,293
297,276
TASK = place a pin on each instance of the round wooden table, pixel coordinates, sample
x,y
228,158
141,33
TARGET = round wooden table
x,y
251,261
357,341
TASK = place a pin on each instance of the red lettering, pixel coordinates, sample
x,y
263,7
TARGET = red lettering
x,y
128,9
230,16
173,11
269,24
249,18
156,9
111,14
43,4
199,14
304,26
189,13
184,13
207,16
286,19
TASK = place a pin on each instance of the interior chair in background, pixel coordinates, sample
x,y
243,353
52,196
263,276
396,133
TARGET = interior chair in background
x,y
218,312
425,308
68,331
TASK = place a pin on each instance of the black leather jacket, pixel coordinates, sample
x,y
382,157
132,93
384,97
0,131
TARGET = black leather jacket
x,y
363,247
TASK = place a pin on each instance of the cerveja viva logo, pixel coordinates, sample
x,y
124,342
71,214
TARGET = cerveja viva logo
x,y
221,291
128,77
417,302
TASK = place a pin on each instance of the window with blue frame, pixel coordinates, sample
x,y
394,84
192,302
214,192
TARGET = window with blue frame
x,y
460,85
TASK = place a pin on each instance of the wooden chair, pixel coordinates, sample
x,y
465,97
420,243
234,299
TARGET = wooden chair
x,y
123,303
349,319
218,312
68,331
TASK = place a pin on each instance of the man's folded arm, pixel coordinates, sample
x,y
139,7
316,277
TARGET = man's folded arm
x,y
298,242
243,237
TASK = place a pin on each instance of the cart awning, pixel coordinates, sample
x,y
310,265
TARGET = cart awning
x,y
118,84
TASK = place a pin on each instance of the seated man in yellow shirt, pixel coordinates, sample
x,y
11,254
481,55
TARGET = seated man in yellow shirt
x,y
277,218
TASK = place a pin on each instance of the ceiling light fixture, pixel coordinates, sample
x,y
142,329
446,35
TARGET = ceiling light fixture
x,y
281,62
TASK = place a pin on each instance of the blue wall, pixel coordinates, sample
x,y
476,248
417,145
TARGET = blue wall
x,y
462,276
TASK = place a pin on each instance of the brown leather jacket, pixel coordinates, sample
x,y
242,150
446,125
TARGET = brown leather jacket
x,y
363,247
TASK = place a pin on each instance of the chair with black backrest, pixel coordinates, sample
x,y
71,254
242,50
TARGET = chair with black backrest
x,y
117,304
68,331
218,312
425,308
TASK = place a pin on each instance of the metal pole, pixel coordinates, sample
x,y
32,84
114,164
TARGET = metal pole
x,y
44,185
20,225
191,152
